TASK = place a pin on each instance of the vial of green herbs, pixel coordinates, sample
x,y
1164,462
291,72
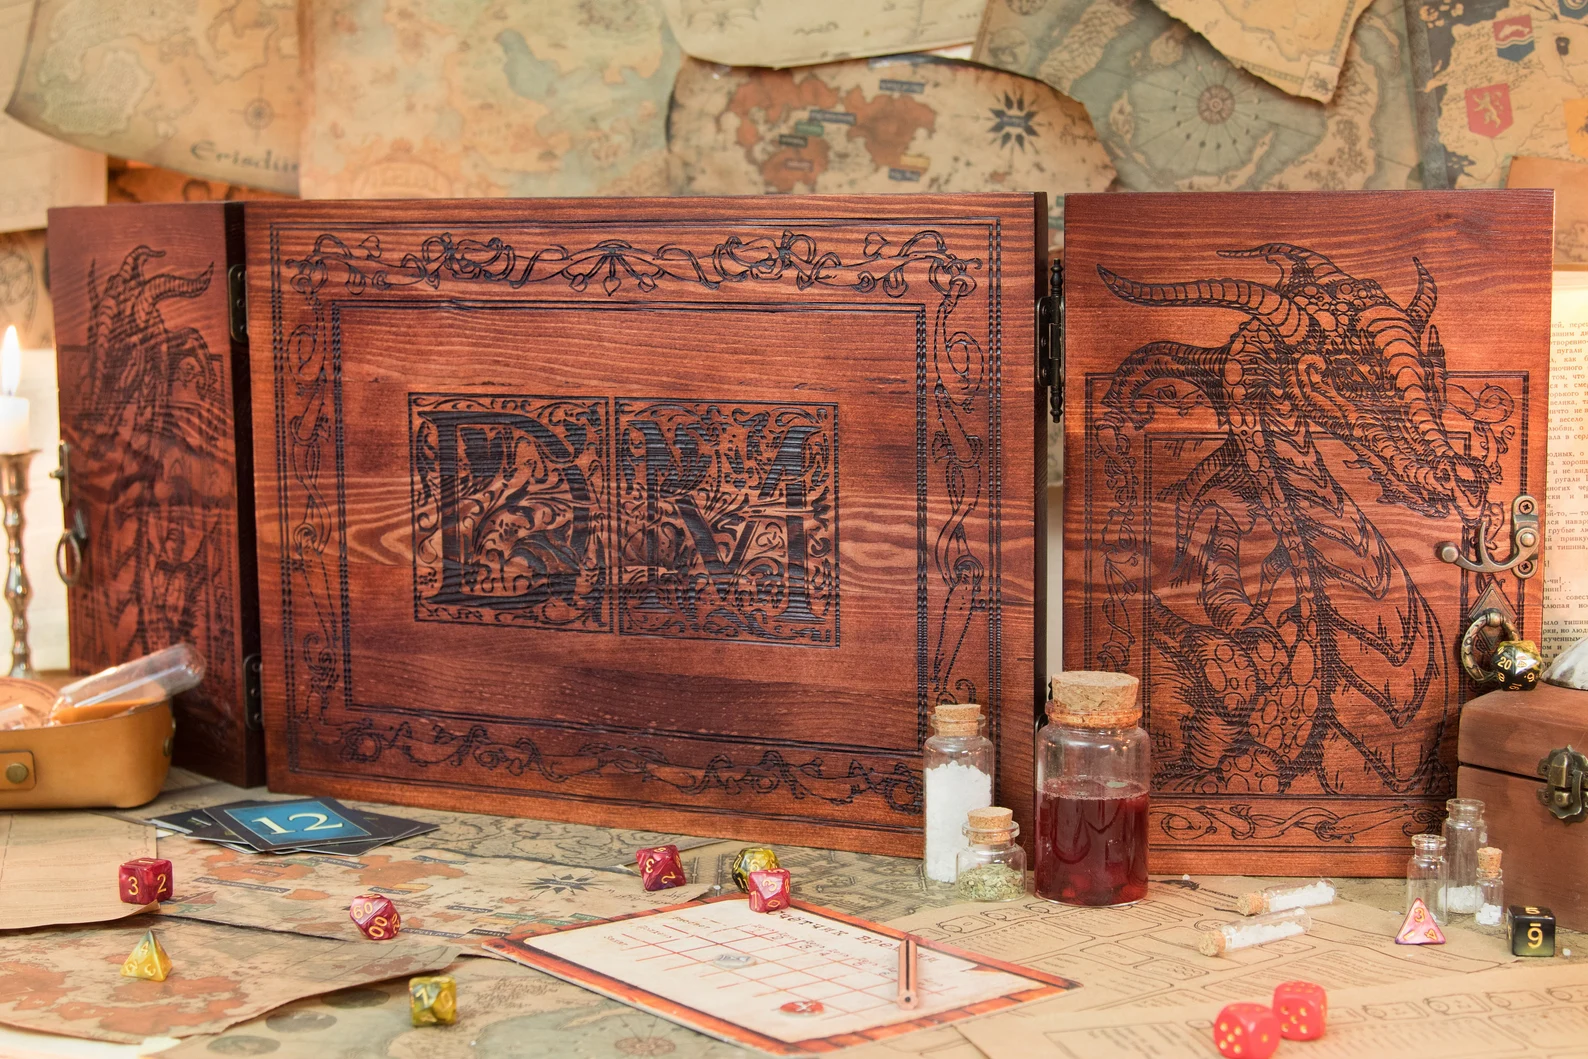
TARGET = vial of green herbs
x,y
991,867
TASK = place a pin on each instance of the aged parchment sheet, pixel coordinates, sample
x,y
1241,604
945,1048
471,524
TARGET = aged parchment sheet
x,y
24,294
1298,47
1146,955
40,172
61,867
757,33
66,980
1479,1016
1565,611
901,124
1569,180
1500,81
1175,115
555,97
207,87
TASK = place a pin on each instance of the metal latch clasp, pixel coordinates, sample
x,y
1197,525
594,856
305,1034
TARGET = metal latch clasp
x,y
69,549
1525,541
1565,773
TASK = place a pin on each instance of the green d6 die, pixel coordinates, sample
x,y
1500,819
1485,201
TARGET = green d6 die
x,y
1531,930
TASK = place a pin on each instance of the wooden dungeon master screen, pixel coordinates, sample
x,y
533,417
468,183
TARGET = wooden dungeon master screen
x,y
682,514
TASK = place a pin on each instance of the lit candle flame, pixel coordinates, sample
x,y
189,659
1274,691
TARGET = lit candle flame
x,y
10,363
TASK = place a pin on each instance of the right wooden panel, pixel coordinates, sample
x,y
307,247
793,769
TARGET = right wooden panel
x,y
1277,406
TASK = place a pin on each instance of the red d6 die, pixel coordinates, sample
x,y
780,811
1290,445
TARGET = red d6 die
x,y
1246,1031
769,890
660,868
145,879
1303,1008
375,917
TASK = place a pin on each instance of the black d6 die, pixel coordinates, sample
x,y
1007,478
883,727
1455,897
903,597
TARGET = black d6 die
x,y
1531,930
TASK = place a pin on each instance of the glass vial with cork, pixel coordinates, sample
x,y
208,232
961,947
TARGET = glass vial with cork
x,y
991,867
1491,888
957,765
1427,876
1093,771
1465,831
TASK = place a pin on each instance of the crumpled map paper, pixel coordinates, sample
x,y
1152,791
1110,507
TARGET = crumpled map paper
x,y
1298,47
1501,81
67,979
904,124
207,87
40,172
439,894
61,867
425,100
779,33
1175,115
1569,180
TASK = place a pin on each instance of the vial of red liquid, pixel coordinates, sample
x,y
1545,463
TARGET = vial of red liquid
x,y
1093,769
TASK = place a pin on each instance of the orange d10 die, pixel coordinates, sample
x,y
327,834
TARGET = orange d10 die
x,y
659,867
769,889
1246,1031
143,880
375,917
1303,1008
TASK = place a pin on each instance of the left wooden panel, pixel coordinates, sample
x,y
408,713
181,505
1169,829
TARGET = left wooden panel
x,y
155,426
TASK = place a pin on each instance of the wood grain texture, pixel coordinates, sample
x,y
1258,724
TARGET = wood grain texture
x,y
155,410
1277,404
680,512
1544,857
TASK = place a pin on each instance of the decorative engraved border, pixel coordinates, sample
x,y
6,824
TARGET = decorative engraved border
x,y
958,379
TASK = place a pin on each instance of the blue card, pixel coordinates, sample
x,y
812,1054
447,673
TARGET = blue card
x,y
275,824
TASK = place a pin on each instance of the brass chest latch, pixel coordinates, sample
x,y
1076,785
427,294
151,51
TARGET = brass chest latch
x,y
1525,542
1565,774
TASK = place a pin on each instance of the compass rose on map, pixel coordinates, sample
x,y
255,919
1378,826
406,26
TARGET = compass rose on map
x,y
1012,122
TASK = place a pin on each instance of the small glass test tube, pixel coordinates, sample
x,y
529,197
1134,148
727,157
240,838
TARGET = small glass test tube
x,y
1290,895
1244,933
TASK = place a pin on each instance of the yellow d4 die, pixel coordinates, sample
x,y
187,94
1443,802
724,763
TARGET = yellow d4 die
x,y
148,960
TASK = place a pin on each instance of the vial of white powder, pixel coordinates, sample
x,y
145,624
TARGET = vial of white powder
x,y
1491,887
1292,895
957,761
1260,930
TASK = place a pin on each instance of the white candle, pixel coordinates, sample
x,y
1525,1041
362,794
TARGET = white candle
x,y
13,409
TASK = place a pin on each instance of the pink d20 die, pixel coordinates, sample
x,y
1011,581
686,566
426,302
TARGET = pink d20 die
x,y
1303,1008
769,890
1246,1031
659,867
375,916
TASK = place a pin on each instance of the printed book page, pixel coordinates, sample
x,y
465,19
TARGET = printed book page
x,y
1566,500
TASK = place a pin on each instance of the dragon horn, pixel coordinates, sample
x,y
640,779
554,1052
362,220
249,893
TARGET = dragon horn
x,y
1421,307
132,264
166,285
1285,317
1292,259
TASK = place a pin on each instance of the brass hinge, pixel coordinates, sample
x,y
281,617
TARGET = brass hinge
x,y
253,695
1050,341
237,302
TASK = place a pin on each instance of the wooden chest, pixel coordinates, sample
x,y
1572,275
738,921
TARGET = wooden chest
x,y
155,441
1279,410
1507,740
679,513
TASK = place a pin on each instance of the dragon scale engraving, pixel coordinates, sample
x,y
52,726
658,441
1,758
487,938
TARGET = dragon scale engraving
x,y
1288,617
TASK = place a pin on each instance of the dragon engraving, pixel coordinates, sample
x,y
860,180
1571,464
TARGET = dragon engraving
x,y
1299,654
152,410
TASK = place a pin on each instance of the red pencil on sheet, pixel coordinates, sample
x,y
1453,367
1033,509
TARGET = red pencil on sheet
x,y
909,959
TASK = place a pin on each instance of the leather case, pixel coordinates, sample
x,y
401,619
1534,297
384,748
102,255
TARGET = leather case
x,y
117,762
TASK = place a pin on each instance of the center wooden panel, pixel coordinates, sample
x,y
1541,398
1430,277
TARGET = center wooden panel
x,y
682,514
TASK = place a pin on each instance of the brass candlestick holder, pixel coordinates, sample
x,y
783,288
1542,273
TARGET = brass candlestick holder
x,y
13,491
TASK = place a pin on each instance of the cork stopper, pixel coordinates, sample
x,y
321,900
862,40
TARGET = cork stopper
x,y
1086,699
1252,904
1488,860
957,718
990,825
1212,943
